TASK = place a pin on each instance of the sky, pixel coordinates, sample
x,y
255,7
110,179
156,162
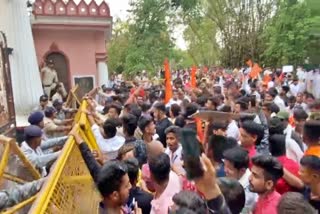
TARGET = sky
x,y
118,9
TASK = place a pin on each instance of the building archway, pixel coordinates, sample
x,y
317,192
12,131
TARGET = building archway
x,y
61,64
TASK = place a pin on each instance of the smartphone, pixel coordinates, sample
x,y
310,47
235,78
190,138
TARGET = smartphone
x,y
191,150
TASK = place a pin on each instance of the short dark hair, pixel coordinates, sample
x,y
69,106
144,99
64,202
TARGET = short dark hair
x,y
218,144
129,124
277,145
233,193
292,99
276,126
180,121
133,169
300,114
110,177
243,103
175,109
124,149
160,167
191,201
201,101
160,106
272,92
145,107
190,109
113,105
253,128
312,130
110,128
294,202
173,129
144,122
271,106
226,108
274,108
135,110
272,168
215,100
238,156
311,162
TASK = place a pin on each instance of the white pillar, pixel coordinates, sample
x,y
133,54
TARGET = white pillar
x,y
103,75
26,83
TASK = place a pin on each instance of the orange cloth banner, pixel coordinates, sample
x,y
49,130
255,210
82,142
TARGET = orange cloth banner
x,y
167,76
255,71
193,77
249,63
199,130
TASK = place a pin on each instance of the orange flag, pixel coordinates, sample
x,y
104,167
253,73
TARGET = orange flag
x,y
255,70
167,76
266,79
249,63
199,130
193,77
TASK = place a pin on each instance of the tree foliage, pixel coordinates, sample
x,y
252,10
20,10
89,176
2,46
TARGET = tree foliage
x,y
225,32
287,36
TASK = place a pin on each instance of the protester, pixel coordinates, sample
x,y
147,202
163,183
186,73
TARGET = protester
x,y
236,166
265,173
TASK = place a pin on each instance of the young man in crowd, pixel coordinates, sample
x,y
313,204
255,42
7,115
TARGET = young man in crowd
x,y
162,122
311,137
265,173
148,129
251,134
107,140
142,198
310,175
174,148
236,165
167,183
129,125
290,180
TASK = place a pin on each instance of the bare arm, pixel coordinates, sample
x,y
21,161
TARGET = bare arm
x,y
292,180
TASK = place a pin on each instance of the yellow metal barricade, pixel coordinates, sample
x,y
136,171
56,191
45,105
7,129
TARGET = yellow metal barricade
x,y
69,188
15,169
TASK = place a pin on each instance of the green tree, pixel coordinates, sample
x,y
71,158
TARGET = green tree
x,y
200,36
150,42
118,47
287,36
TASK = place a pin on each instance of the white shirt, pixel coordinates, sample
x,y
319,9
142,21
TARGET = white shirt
x,y
279,102
109,147
293,150
301,75
172,101
251,197
294,89
233,130
175,157
38,158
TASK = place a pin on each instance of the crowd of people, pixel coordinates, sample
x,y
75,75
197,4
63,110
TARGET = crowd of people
x,y
263,157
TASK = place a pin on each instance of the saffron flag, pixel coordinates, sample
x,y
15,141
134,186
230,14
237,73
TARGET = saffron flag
x,y
249,63
266,79
199,129
167,77
255,71
193,77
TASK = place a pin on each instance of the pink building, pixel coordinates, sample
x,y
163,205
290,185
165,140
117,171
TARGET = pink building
x,y
74,36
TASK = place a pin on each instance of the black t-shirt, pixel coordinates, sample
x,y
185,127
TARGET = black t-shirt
x,y
160,128
314,203
142,198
